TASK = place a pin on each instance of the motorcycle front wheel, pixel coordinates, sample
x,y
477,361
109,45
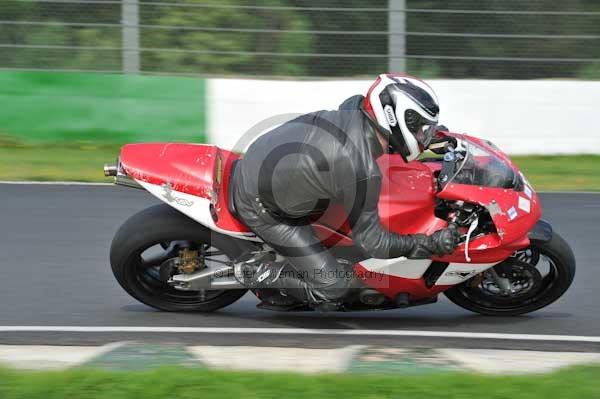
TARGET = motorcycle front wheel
x,y
141,251
537,276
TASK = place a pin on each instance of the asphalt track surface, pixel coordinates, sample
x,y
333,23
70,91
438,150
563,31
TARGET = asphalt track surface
x,y
54,242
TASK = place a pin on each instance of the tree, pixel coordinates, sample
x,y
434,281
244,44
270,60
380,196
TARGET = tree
x,y
227,36
55,34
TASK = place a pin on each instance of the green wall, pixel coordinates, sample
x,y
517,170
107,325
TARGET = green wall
x,y
39,107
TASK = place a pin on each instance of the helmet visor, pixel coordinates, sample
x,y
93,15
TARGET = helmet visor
x,y
421,128
425,134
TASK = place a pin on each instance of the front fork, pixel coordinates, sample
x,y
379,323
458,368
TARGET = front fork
x,y
542,231
503,283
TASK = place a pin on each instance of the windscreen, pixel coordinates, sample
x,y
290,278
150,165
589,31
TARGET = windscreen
x,y
482,168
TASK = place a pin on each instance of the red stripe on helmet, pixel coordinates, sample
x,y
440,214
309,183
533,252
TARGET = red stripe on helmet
x,y
367,102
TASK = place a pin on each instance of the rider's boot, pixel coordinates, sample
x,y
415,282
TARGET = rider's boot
x,y
261,271
278,301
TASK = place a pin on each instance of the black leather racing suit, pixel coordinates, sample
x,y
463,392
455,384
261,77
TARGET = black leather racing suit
x,y
294,172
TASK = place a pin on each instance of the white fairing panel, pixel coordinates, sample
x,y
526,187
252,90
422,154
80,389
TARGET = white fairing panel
x,y
197,208
455,273
400,267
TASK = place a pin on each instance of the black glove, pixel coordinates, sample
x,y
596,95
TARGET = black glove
x,y
438,145
442,242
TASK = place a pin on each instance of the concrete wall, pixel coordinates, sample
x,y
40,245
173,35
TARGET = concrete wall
x,y
521,117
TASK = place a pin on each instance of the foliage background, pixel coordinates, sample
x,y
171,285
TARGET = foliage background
x,y
283,38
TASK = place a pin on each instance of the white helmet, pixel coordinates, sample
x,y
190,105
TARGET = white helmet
x,y
406,110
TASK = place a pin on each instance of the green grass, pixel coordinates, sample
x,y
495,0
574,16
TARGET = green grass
x,y
48,107
579,383
565,173
83,162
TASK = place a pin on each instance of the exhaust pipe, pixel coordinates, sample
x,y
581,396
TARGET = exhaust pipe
x,y
110,170
120,177
216,278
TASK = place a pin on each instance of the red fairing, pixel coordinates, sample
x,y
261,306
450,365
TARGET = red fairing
x,y
188,168
225,220
487,249
511,234
407,198
200,170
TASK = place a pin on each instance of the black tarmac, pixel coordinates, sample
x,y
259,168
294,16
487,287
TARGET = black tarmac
x,y
54,242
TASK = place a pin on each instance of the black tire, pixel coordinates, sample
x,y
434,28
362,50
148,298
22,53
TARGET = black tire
x,y
160,224
557,251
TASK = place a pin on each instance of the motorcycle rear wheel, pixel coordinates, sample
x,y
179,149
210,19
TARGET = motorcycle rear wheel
x,y
561,271
149,231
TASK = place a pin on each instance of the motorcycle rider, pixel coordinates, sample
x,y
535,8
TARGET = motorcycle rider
x,y
290,175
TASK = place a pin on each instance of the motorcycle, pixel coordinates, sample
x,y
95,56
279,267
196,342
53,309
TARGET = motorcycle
x,y
179,255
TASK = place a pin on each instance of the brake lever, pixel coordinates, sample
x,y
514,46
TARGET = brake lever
x,y
472,228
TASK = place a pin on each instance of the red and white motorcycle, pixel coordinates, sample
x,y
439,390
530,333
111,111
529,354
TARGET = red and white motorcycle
x,y
177,256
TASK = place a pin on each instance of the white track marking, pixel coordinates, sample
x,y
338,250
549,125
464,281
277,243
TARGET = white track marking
x,y
305,360
502,361
43,357
303,331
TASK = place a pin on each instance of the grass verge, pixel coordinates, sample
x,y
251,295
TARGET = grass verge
x,y
580,382
562,173
84,162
